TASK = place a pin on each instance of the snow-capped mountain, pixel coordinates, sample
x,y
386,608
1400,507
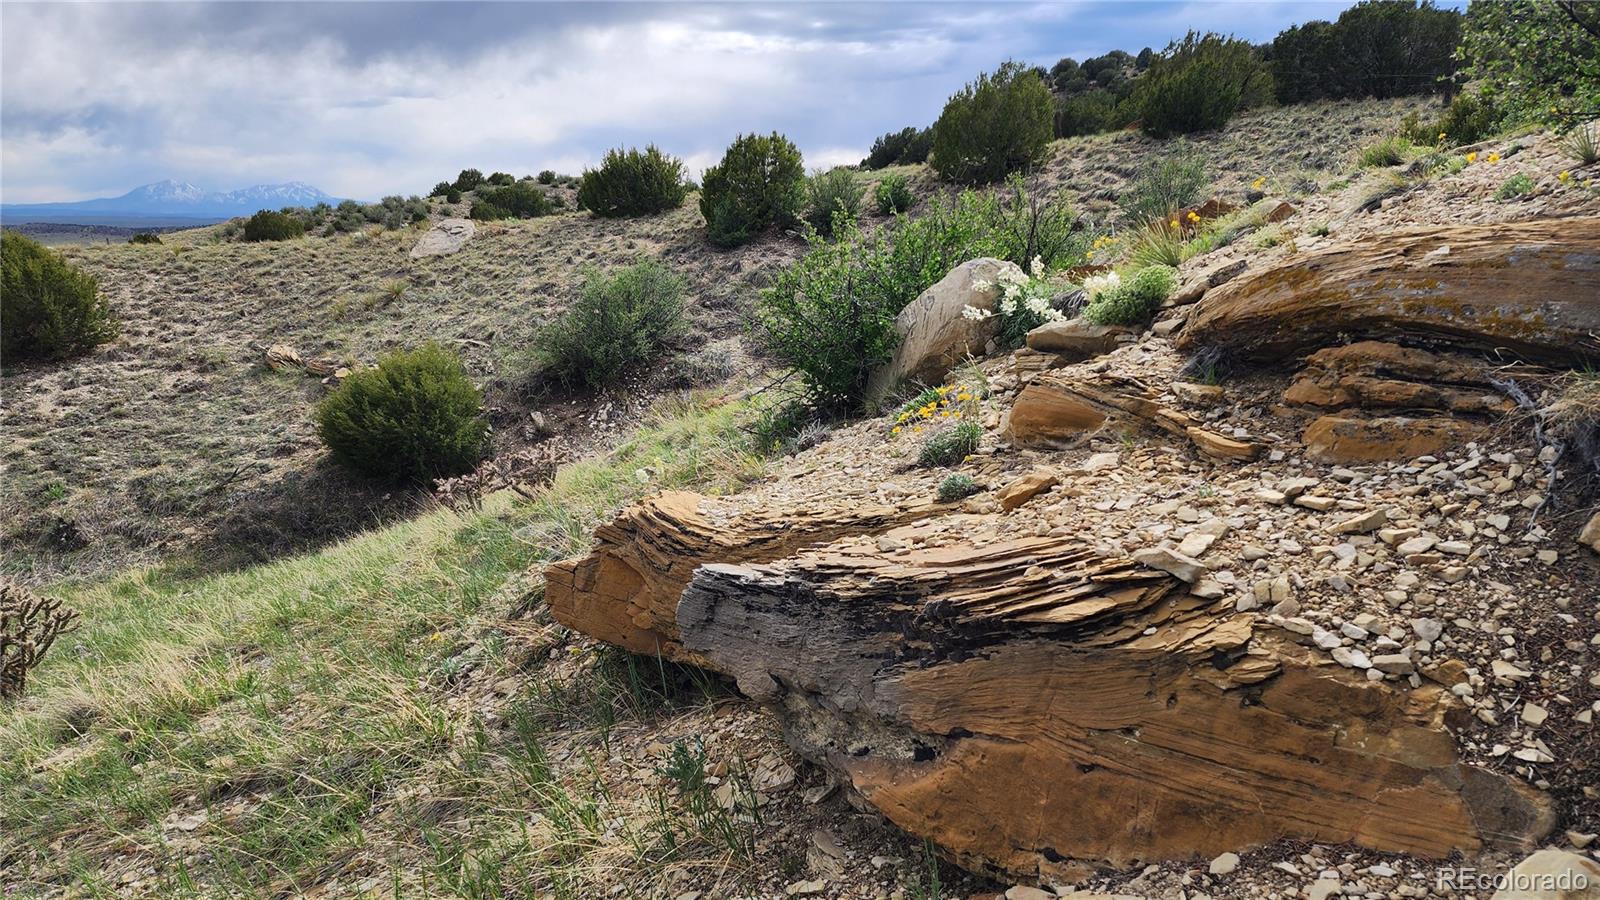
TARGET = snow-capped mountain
x,y
171,199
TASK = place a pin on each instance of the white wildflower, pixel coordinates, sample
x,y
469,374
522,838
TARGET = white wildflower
x,y
1036,268
1095,285
975,314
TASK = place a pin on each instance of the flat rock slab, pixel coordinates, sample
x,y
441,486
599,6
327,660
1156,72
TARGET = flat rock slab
x,y
1528,289
444,238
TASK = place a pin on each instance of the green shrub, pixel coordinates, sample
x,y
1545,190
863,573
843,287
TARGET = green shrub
x,y
469,179
955,486
893,195
268,225
1469,118
1388,49
1515,188
452,196
829,194
501,179
547,176
440,189
950,446
1176,180
996,125
760,182
484,211
830,315
145,237
620,321
1133,301
414,418
903,147
1536,61
631,183
51,308
517,200
1198,84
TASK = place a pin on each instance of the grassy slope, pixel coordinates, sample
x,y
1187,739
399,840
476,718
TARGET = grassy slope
x,y
333,716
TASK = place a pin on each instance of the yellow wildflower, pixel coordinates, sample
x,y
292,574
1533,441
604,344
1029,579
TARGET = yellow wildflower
x,y
1564,177
895,430
1472,157
1260,180
1194,216
1494,157
1173,223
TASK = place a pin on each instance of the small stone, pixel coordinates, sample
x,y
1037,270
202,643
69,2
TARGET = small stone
x,y
1171,562
817,885
1368,521
1534,714
1427,629
1456,548
1318,504
1025,892
1224,864
1420,544
1393,663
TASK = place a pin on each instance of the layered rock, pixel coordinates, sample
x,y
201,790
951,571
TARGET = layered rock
x,y
1530,289
1031,703
1058,409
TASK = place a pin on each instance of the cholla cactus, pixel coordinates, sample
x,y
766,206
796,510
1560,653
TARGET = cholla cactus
x,y
28,626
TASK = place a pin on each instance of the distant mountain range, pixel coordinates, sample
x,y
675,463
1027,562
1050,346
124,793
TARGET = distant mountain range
x,y
168,202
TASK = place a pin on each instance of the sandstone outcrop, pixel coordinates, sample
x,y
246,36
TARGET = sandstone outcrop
x,y
1352,438
444,238
934,334
1030,703
1056,409
1527,289
1074,340
1377,374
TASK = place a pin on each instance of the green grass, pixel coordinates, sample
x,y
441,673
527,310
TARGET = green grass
x,y
330,716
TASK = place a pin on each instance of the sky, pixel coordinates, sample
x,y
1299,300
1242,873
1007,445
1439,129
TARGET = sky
x,y
373,98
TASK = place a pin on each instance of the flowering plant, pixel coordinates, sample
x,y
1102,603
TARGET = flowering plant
x,y
1024,302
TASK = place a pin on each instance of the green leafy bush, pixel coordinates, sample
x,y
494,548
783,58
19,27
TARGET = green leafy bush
x,y
484,211
452,196
1470,117
830,315
620,320
1515,188
956,486
441,189
760,182
1176,180
547,176
519,200
1535,60
830,194
501,179
1131,302
893,195
268,225
51,309
1198,84
631,183
414,418
469,179
996,125
145,237
950,446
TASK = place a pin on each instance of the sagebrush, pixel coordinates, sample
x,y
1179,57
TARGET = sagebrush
x,y
621,320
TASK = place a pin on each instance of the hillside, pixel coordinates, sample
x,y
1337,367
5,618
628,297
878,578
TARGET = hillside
x,y
179,430
1184,610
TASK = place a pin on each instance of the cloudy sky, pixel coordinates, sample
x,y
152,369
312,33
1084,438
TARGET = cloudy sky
x,y
367,99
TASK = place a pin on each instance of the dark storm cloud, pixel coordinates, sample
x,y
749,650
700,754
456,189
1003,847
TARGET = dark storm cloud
x,y
365,99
